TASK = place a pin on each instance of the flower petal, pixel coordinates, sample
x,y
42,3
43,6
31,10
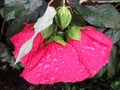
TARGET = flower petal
x,y
55,63
93,49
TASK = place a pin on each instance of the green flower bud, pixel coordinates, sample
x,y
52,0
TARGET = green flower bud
x,y
63,17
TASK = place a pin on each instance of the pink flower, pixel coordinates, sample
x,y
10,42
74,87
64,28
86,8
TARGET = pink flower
x,y
54,63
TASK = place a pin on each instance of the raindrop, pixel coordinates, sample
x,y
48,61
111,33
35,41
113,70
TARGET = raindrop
x,y
46,66
88,64
52,79
95,42
99,59
53,47
40,65
83,51
94,71
64,71
105,48
83,67
77,78
71,53
55,60
80,70
31,65
90,48
56,69
60,56
48,56
45,81
103,53
77,62
54,53
38,74
105,62
59,49
63,62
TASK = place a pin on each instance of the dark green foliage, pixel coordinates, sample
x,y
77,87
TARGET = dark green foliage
x,y
105,17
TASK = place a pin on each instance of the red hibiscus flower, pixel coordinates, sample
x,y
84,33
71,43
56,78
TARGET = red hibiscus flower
x,y
54,63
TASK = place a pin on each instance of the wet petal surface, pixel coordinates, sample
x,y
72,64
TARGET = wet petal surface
x,y
93,49
55,63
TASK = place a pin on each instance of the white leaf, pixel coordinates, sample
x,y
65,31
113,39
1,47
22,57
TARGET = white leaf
x,y
43,22
81,1
46,20
99,1
25,48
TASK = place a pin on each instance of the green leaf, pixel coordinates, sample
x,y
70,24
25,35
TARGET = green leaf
x,y
47,32
57,39
15,8
67,87
74,88
113,65
101,1
116,37
74,33
1,3
116,85
77,20
20,12
101,72
102,15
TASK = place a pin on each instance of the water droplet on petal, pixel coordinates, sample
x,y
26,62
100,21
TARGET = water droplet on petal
x,y
46,66
93,55
47,56
59,49
55,60
83,51
30,65
40,65
103,53
105,48
80,70
94,72
88,64
52,79
60,56
77,62
38,74
71,52
63,62
90,48
83,67
54,53
64,71
53,47
77,78
56,69
45,81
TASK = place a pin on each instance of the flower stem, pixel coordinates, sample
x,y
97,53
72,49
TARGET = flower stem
x,y
51,1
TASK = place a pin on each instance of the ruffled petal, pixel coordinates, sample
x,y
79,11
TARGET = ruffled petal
x,y
93,49
55,63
